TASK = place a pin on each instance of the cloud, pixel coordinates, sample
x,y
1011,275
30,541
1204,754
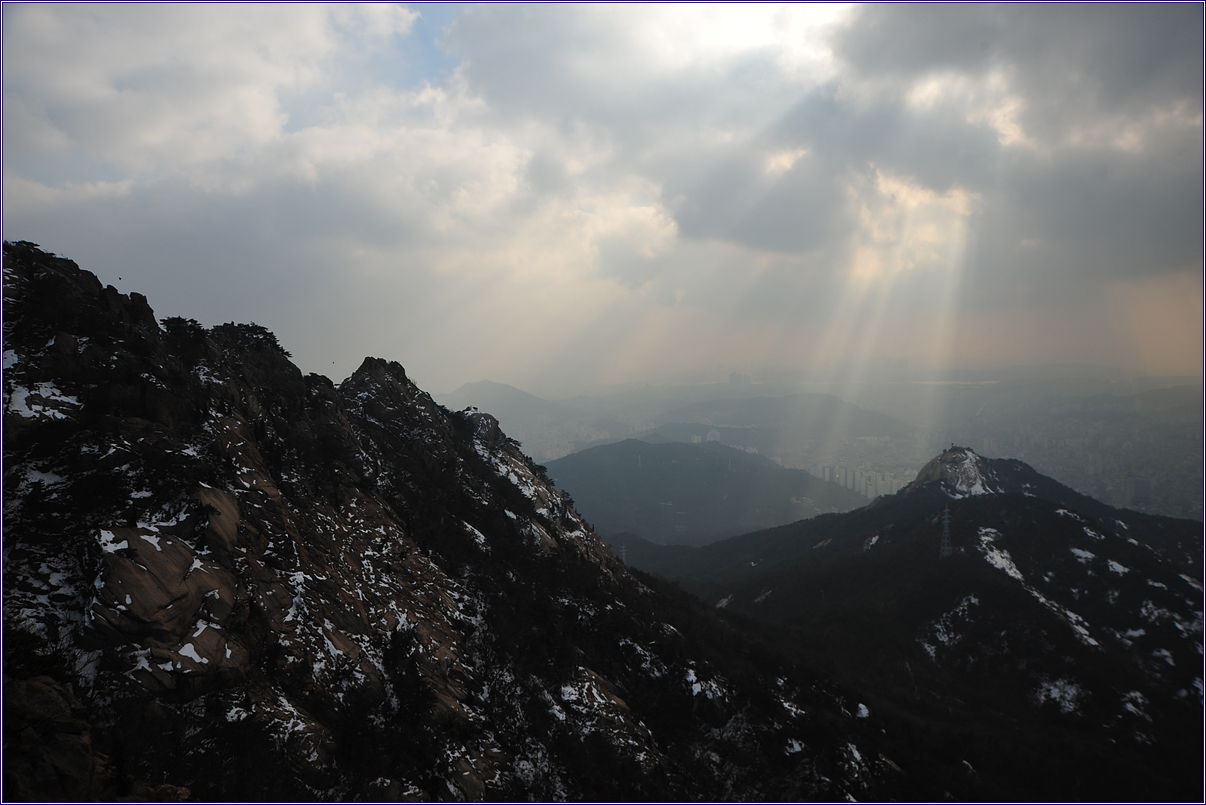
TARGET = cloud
x,y
163,86
605,192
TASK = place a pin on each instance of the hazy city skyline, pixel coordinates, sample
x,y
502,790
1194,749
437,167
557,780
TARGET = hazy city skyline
x,y
607,194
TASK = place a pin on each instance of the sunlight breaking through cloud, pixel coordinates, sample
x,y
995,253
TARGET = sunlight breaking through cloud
x,y
626,191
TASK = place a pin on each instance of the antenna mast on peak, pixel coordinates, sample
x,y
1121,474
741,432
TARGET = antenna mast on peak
x,y
944,550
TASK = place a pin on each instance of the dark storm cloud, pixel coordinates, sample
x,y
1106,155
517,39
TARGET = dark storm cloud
x,y
1088,208
731,196
1120,57
1067,207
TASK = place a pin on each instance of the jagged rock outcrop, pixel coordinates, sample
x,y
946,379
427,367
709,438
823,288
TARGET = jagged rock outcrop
x,y
961,472
261,585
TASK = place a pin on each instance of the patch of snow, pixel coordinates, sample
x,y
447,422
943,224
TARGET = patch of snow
x,y
1152,613
142,664
1117,568
153,540
709,688
107,542
191,653
1134,702
21,403
1164,654
1062,691
1197,585
793,746
792,708
999,558
478,537
1084,557
863,712
943,628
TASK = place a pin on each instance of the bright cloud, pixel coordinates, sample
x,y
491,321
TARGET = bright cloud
x,y
623,193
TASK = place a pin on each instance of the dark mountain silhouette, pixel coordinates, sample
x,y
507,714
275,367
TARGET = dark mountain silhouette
x,y
1056,621
224,576
691,494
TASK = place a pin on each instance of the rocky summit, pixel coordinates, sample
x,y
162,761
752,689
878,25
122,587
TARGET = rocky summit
x,y
227,580
1002,619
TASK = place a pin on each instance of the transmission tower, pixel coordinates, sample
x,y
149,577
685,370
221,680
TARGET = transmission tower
x,y
944,550
624,554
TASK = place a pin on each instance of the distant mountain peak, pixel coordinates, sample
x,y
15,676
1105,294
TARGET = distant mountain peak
x,y
962,472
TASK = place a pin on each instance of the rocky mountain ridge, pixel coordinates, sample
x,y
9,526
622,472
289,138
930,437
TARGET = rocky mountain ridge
x,y
1059,633
224,579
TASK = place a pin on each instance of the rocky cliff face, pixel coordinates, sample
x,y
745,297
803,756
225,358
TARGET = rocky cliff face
x,y
225,576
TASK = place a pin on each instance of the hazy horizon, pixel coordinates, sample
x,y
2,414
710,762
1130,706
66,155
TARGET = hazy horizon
x,y
563,196
786,382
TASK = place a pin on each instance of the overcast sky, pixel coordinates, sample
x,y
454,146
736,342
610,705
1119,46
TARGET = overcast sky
x,y
553,194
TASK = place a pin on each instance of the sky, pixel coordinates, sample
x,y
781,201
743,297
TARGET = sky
x,y
551,195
